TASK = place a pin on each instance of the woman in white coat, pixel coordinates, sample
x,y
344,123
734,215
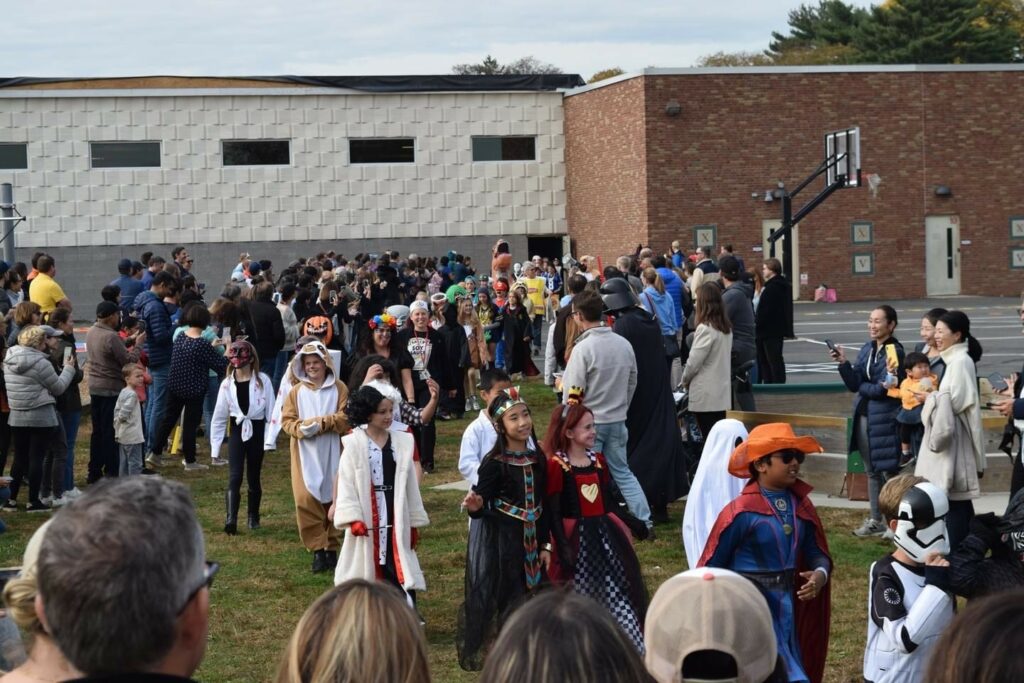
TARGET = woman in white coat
x,y
706,374
713,487
378,501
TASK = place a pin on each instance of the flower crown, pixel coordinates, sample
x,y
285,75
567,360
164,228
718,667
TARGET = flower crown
x,y
509,398
383,320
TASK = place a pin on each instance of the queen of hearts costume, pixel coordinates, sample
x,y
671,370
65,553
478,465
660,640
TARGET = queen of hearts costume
x,y
378,486
314,418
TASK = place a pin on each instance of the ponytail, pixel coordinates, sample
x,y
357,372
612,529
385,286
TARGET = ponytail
x,y
973,348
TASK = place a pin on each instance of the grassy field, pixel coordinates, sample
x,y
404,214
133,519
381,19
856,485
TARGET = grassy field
x,y
265,582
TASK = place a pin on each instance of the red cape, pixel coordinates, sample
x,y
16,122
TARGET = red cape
x,y
814,617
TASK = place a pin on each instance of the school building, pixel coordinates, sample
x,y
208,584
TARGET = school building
x,y
286,166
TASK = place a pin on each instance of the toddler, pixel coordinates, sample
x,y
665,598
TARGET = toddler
x,y
128,421
913,391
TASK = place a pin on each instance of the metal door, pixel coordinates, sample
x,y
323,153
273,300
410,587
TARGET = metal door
x,y
942,255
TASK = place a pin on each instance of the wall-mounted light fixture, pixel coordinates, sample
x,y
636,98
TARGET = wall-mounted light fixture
x,y
943,191
673,108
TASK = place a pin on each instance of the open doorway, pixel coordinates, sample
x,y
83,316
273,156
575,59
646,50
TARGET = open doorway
x,y
549,247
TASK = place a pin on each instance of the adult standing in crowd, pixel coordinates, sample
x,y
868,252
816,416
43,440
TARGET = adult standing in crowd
x,y
150,308
536,292
603,366
267,326
107,356
704,262
565,323
426,346
152,558
875,431
738,298
707,370
928,346
25,314
181,259
153,266
32,386
291,331
44,290
952,454
654,444
69,404
129,282
773,323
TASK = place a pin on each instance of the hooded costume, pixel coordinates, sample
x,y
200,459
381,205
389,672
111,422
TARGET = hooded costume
x,y
314,418
771,537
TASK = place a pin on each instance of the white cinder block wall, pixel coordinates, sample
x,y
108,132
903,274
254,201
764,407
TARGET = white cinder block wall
x,y
89,218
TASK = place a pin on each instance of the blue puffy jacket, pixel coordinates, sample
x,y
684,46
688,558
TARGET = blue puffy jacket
x,y
159,329
674,287
871,400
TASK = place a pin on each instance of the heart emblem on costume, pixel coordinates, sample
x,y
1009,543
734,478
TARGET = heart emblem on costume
x,y
589,492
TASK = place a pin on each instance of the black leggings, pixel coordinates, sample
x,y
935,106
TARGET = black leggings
x,y
189,424
5,441
1017,478
247,457
707,420
30,446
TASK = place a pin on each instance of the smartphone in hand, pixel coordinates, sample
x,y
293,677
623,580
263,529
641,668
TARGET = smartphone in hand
x,y
67,354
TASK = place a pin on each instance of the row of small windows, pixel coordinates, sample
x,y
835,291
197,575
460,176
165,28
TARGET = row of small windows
x,y
14,156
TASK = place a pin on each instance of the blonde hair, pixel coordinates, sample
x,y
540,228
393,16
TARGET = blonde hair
x,y
31,337
20,592
890,495
652,278
358,632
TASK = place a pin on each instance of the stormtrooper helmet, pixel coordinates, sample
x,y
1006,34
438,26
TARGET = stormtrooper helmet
x,y
921,522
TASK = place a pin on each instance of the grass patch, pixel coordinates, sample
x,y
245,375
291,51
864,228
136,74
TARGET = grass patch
x,y
265,582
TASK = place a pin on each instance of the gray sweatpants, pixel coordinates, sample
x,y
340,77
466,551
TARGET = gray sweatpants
x,y
131,458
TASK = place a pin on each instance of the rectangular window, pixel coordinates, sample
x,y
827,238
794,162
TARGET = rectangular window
x,y
125,154
13,155
513,148
382,151
256,152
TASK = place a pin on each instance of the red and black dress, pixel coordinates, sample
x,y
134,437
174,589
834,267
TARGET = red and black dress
x,y
503,558
594,548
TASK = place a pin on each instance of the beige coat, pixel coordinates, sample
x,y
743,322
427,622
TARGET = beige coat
x,y
706,374
357,559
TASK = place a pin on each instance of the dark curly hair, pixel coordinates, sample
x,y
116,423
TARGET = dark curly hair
x,y
362,404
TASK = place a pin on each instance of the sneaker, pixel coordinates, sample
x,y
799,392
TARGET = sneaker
x,y
476,403
46,500
11,505
38,507
870,527
60,501
218,462
193,466
73,494
154,460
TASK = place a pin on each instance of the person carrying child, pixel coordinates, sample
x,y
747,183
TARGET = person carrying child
x,y
913,391
908,603
128,421
378,501
772,535
590,523
508,562
245,401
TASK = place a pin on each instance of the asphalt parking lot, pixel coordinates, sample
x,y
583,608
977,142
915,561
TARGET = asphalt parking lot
x,y
994,322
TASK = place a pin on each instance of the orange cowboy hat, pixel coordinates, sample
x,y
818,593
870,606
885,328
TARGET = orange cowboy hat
x,y
765,440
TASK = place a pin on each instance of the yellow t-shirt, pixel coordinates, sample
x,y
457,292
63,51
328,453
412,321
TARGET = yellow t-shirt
x,y
45,291
535,292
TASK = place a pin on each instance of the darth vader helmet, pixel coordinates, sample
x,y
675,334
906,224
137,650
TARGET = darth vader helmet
x,y
618,295
921,522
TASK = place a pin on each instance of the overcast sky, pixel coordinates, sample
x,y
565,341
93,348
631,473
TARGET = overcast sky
x,y
341,37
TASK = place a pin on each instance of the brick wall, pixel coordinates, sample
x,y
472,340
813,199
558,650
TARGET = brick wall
x,y
738,134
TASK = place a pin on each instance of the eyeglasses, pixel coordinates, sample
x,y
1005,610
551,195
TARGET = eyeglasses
x,y
209,572
788,456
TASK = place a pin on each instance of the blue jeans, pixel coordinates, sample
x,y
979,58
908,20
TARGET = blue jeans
x,y
536,326
280,367
71,420
611,442
210,402
5,495
155,402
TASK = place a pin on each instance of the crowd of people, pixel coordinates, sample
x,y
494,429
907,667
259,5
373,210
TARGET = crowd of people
x,y
354,359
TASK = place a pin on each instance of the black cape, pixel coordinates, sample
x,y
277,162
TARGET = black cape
x,y
655,448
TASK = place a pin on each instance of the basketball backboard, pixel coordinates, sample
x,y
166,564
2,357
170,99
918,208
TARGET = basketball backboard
x,y
842,157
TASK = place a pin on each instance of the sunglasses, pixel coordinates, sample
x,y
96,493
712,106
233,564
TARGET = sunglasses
x,y
209,572
788,456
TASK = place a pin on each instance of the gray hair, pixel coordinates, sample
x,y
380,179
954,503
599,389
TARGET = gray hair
x,y
116,568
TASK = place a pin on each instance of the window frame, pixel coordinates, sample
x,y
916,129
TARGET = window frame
x,y
224,141
92,155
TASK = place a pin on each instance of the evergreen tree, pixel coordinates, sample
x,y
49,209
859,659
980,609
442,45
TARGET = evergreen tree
x,y
936,32
828,29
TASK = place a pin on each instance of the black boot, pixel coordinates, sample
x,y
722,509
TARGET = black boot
x,y
320,561
253,504
332,559
231,502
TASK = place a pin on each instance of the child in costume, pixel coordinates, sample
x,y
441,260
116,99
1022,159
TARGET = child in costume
x,y
378,498
479,438
507,561
771,534
245,401
313,416
273,429
908,607
913,391
589,520
991,558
